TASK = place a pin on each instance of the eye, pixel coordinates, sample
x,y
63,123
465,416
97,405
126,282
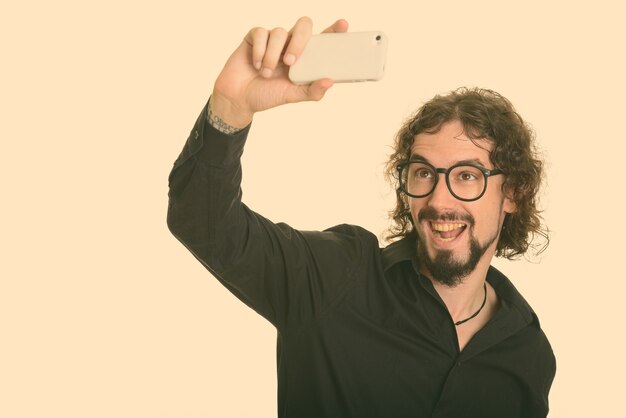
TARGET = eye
x,y
465,176
423,173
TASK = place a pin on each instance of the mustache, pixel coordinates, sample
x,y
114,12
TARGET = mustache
x,y
431,214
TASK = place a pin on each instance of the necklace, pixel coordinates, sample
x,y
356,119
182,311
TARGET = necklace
x,y
478,311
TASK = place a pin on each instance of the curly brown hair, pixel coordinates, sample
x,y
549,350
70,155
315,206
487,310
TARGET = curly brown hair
x,y
484,114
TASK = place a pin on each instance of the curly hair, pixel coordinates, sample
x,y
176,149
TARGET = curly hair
x,y
484,114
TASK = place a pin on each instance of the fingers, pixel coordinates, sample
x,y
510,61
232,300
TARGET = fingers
x,y
275,45
339,26
257,37
269,46
300,35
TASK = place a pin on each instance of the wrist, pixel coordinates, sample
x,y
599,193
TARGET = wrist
x,y
226,117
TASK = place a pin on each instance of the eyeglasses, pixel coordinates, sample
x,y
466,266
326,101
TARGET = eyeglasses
x,y
466,182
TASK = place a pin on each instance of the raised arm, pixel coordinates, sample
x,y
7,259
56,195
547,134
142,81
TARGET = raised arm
x,y
284,274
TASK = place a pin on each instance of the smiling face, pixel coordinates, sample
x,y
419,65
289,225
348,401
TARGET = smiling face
x,y
455,236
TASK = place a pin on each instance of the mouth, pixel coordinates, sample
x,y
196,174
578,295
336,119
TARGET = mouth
x,y
447,231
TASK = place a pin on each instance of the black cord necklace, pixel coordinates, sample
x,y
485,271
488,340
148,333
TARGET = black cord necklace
x,y
478,311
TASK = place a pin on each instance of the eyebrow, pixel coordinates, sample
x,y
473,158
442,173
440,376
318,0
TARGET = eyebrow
x,y
472,161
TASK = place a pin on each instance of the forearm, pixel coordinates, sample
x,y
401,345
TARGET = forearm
x,y
204,195
207,216
271,267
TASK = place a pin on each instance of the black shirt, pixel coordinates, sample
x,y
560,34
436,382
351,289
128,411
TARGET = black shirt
x,y
360,332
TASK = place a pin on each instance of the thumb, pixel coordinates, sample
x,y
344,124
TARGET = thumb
x,y
312,92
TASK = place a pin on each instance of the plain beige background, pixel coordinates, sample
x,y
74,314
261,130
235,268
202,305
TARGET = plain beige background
x,y
104,314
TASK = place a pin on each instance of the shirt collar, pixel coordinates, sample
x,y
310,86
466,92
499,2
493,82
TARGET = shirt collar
x,y
507,291
398,251
403,250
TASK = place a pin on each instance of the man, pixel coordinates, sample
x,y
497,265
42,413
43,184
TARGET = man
x,y
422,328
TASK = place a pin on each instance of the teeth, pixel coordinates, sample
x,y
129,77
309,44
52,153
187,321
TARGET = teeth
x,y
446,227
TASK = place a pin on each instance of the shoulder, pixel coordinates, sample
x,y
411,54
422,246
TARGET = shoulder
x,y
398,251
535,338
343,235
344,241
506,291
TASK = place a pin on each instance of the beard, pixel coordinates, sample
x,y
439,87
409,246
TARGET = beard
x,y
444,267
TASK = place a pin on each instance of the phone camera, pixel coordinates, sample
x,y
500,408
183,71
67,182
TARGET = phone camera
x,y
378,37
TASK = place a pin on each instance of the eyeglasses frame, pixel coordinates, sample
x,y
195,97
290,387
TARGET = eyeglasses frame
x,y
486,173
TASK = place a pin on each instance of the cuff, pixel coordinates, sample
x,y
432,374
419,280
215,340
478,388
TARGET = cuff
x,y
210,145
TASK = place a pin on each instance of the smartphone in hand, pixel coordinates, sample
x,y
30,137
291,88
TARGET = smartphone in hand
x,y
342,57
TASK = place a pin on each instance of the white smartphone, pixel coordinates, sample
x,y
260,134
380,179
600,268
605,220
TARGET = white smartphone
x,y
342,57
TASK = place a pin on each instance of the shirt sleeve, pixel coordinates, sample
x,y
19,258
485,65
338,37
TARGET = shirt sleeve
x,y
287,276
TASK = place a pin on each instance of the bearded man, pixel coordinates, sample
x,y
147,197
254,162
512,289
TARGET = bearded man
x,y
423,327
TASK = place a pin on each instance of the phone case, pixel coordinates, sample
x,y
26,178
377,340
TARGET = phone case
x,y
342,57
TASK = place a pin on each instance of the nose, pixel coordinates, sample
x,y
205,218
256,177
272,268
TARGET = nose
x,y
441,198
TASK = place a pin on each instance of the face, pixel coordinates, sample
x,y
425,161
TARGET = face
x,y
455,236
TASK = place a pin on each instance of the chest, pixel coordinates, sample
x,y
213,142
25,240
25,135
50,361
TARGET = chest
x,y
464,335
394,368
468,330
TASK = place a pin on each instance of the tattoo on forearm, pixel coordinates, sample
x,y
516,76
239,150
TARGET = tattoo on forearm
x,y
220,125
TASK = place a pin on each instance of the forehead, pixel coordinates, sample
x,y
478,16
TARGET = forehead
x,y
450,145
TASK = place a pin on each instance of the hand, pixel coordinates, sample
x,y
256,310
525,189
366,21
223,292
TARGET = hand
x,y
255,76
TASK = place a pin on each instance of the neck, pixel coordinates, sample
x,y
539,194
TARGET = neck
x,y
466,298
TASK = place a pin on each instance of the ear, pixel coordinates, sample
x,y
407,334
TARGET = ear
x,y
509,205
